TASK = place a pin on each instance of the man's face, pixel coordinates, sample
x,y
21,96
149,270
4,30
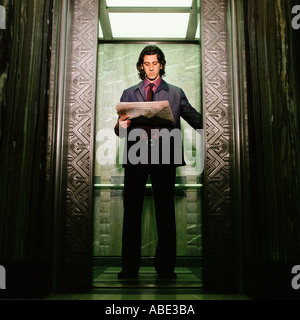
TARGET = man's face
x,y
151,67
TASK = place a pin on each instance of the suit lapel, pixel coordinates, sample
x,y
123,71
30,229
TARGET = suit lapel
x,y
163,86
140,87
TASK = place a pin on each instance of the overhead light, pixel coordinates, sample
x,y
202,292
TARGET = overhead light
x,y
100,33
149,25
197,35
147,3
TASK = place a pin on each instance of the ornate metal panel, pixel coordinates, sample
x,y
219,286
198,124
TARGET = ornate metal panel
x,y
217,220
78,147
79,154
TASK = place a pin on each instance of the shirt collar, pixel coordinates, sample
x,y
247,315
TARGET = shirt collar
x,y
156,82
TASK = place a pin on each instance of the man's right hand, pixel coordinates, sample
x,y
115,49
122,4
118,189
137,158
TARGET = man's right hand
x,y
124,121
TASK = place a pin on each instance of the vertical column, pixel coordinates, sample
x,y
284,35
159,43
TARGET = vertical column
x,y
218,255
79,136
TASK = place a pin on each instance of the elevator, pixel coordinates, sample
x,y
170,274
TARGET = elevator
x,y
90,210
118,51
61,203
80,201
117,71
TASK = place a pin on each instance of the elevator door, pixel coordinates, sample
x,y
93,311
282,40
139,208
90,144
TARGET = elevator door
x,y
116,72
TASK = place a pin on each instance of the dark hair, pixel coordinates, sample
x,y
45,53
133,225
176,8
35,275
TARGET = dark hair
x,y
151,50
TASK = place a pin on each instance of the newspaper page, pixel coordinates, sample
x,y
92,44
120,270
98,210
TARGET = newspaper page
x,y
152,113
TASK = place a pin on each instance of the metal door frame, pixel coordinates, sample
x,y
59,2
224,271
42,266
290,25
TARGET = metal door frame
x,y
71,141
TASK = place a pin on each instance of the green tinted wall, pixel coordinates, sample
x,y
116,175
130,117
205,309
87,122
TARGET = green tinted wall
x,y
116,72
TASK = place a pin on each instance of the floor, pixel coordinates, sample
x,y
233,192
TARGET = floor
x,y
147,286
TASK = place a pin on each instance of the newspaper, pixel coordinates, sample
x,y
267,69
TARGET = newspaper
x,y
151,113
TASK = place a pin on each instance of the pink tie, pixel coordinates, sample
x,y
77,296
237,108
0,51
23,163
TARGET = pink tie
x,y
150,92
150,98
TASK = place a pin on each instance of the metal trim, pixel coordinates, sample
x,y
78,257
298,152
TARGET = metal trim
x,y
120,186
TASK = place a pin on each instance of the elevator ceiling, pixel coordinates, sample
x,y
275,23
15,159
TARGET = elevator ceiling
x,y
166,20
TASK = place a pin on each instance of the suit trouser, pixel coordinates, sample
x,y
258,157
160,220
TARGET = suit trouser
x,y
163,184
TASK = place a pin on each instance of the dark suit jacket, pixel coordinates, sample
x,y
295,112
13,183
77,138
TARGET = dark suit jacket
x,y
178,101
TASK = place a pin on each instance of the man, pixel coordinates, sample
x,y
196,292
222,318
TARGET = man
x,y
151,67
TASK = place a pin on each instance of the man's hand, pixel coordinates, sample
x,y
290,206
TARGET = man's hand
x,y
124,121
